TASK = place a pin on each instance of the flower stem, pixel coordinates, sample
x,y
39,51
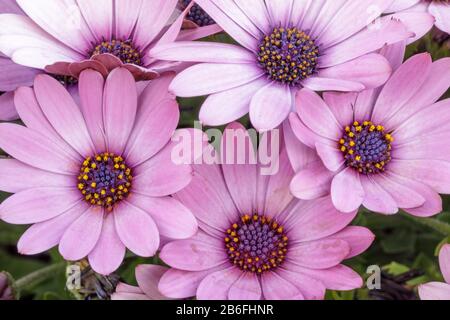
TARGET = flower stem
x,y
435,224
36,277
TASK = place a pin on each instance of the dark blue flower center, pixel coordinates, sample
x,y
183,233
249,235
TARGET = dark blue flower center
x,y
104,180
256,244
288,55
122,49
197,14
366,147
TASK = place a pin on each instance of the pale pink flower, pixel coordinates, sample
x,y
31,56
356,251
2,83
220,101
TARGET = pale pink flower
x,y
410,11
384,149
147,277
284,46
66,37
439,290
255,240
94,178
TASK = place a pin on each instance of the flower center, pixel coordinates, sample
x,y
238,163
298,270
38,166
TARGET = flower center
x,y
122,49
288,55
256,244
197,14
104,180
366,147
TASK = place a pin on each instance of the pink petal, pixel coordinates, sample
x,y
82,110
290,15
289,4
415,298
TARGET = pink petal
x,y
434,291
317,83
27,44
8,110
312,182
126,15
417,22
397,92
418,126
45,235
387,31
331,156
240,30
319,254
310,288
433,201
270,106
194,255
173,219
154,15
351,18
376,198
336,278
99,18
256,11
359,239
14,75
277,194
275,287
434,173
152,131
371,70
441,11
315,113
160,176
109,252
401,189
239,166
17,176
179,284
299,154
208,198
317,219
119,108
63,114
217,285
364,104
211,52
91,84
206,81
444,262
346,190
341,104
32,116
148,277
247,287
230,105
36,150
37,205
58,19
136,229
86,228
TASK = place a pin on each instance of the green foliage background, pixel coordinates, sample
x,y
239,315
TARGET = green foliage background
x,y
402,242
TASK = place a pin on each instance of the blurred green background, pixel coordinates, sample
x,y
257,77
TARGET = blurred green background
x,y
404,246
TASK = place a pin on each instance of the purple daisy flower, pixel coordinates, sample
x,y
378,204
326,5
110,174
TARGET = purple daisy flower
x,y
284,46
66,37
385,148
96,177
255,240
